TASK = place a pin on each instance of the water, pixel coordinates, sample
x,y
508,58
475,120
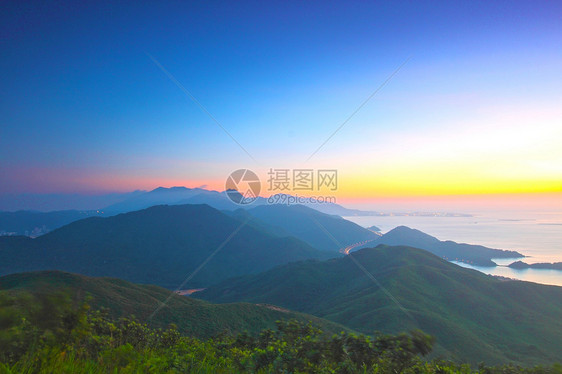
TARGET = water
x,y
544,276
537,235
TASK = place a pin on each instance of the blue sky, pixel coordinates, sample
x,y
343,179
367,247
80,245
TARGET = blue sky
x,y
84,108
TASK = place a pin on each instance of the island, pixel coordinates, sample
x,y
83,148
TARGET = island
x,y
543,265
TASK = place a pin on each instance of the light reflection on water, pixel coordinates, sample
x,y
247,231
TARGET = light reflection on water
x,y
544,276
536,235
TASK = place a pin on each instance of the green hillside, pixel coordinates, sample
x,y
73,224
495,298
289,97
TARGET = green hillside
x,y
160,245
122,299
48,333
46,328
474,317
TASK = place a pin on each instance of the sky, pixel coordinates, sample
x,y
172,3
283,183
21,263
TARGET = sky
x,y
110,97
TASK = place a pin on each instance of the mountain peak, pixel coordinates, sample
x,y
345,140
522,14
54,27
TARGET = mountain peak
x,y
176,188
410,233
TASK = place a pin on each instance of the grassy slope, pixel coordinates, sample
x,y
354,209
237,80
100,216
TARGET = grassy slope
x,y
193,317
474,317
160,245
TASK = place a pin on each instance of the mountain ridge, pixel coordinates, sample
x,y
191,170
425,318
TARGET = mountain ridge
x,y
450,250
475,317
311,226
161,245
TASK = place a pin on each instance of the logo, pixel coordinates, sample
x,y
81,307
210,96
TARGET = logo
x,y
243,186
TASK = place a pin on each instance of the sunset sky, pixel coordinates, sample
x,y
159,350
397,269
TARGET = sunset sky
x,y
476,108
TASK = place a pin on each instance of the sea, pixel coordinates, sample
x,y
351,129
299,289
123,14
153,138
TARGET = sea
x,y
537,235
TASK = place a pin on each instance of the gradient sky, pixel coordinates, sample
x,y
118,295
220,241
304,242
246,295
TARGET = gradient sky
x,y
476,110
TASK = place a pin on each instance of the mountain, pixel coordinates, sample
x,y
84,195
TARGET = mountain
x,y
339,210
218,200
123,299
542,265
325,207
322,231
475,317
244,215
473,254
158,196
160,245
178,196
32,223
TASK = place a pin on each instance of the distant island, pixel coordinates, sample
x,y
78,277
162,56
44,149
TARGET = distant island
x,y
374,228
356,212
544,265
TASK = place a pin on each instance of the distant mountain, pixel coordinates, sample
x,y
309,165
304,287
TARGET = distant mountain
x,y
472,254
123,299
339,210
158,196
218,200
474,317
543,265
32,223
161,245
178,196
324,207
322,231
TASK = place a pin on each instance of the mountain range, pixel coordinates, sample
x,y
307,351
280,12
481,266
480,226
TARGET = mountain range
x,y
475,317
285,258
218,200
322,231
34,223
160,245
164,244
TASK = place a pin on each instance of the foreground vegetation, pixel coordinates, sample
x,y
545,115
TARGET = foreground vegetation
x,y
55,335
120,298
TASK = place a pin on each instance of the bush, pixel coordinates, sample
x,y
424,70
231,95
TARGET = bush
x,y
50,334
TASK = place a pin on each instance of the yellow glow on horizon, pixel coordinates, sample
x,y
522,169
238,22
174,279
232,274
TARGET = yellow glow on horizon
x,y
410,185
516,151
